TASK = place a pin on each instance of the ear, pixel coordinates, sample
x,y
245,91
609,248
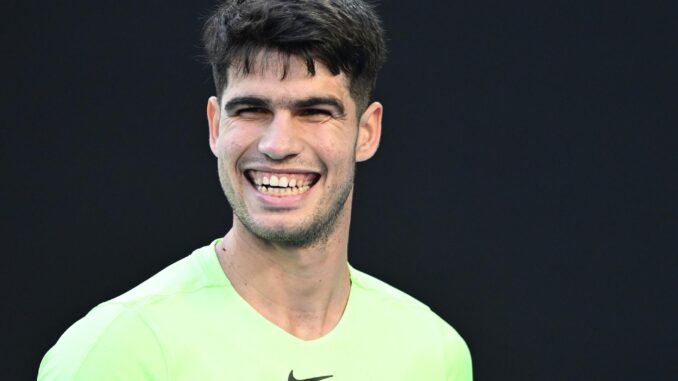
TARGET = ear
x,y
369,132
213,118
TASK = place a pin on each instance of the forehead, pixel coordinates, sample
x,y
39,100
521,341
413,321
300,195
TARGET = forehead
x,y
273,74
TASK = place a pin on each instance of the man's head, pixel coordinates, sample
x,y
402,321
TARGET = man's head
x,y
292,117
344,35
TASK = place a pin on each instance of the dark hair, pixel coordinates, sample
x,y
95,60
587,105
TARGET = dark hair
x,y
345,35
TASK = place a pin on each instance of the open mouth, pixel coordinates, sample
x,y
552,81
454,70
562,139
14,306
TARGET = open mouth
x,y
282,184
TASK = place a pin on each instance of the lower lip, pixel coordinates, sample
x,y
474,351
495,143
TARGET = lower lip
x,y
280,201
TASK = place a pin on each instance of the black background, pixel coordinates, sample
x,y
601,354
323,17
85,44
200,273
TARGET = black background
x,y
524,187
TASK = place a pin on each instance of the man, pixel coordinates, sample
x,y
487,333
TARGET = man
x,y
275,299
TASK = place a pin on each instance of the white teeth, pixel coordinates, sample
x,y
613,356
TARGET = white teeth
x,y
282,182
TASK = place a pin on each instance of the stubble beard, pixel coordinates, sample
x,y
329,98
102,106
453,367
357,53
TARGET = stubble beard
x,y
314,230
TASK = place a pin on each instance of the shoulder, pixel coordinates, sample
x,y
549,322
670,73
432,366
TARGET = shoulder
x,y
384,299
117,336
414,324
393,304
189,274
112,339
383,292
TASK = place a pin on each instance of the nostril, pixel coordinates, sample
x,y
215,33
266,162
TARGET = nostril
x,y
278,150
279,141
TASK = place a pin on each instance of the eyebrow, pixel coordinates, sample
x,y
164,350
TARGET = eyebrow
x,y
236,102
251,101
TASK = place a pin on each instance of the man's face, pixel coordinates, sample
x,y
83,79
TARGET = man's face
x,y
287,148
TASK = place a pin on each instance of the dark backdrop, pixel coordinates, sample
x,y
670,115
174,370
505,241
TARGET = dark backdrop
x,y
524,187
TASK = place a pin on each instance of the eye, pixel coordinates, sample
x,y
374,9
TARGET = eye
x,y
314,111
315,115
251,111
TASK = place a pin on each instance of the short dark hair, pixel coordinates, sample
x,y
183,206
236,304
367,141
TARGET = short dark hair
x,y
344,35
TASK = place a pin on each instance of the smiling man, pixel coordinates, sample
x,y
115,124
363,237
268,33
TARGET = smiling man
x,y
275,298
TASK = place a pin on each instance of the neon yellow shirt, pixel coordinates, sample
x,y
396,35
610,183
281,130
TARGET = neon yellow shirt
x,y
187,323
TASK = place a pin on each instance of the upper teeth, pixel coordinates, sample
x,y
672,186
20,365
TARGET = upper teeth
x,y
282,181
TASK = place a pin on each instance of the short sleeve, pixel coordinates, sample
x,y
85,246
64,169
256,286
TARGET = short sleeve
x,y
457,355
111,343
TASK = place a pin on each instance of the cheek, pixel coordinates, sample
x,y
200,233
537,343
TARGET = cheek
x,y
229,152
340,157
337,143
233,144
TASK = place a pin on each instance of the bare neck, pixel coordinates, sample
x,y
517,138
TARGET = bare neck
x,y
302,290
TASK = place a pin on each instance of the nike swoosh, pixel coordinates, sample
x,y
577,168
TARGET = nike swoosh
x,y
291,377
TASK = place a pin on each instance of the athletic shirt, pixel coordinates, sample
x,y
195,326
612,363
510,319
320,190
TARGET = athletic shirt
x,y
187,323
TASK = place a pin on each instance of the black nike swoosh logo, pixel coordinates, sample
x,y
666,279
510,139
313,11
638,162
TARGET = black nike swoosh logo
x,y
291,377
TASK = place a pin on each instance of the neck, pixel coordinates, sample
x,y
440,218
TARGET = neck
x,y
302,290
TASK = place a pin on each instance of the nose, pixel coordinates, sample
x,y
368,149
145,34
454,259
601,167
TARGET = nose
x,y
279,140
